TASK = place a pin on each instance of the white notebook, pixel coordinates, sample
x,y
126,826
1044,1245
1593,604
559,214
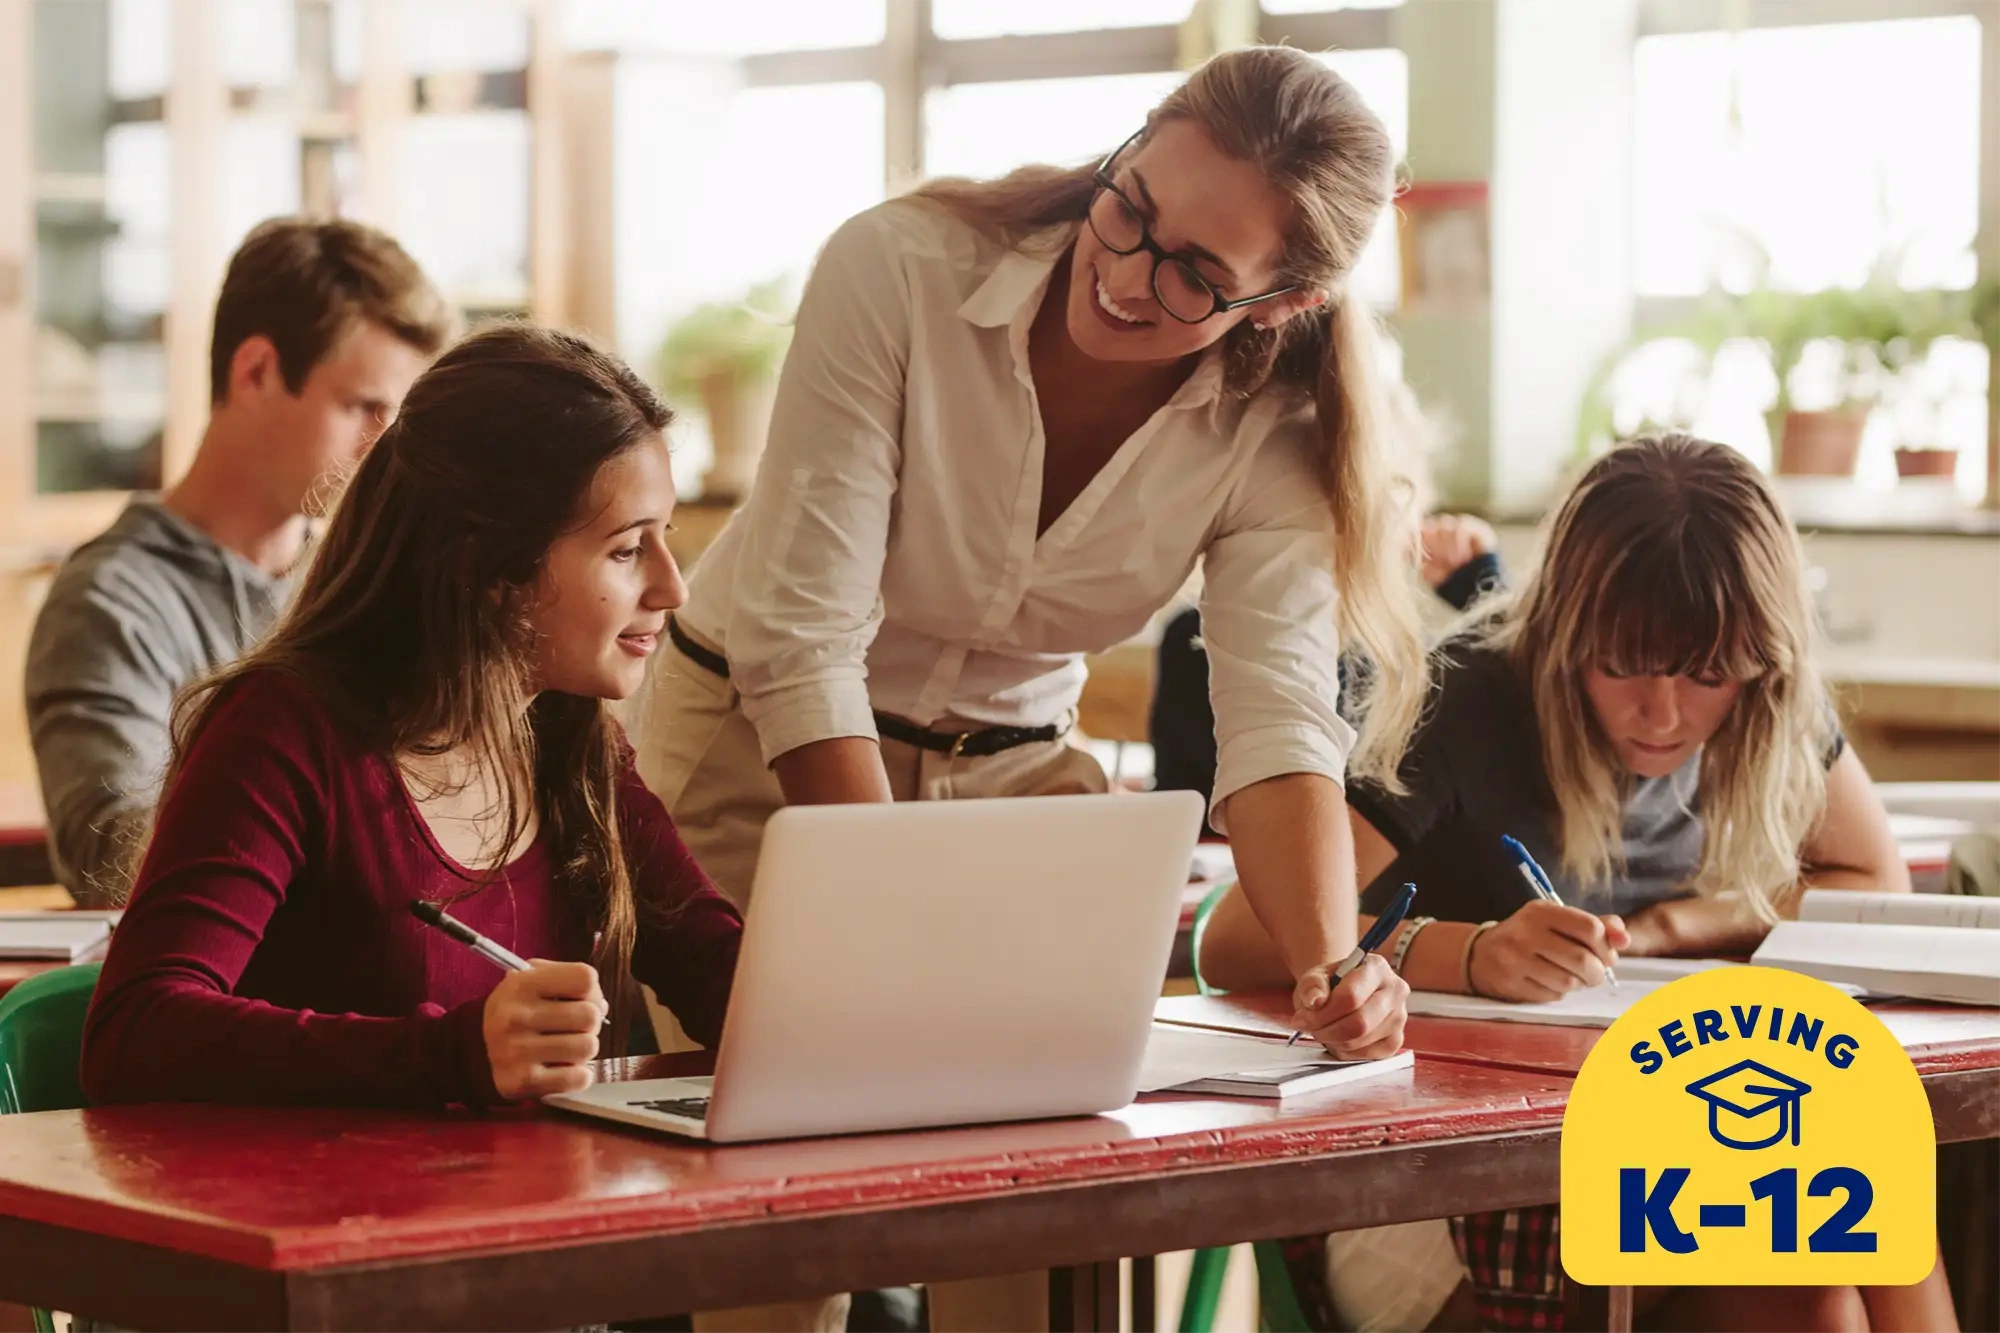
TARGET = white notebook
x,y
1591,1007
1901,909
57,936
1230,1064
1958,964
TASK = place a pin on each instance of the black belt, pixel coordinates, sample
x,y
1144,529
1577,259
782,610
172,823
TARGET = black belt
x,y
971,744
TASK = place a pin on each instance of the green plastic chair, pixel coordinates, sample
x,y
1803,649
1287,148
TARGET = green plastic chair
x,y
1278,1304
41,1041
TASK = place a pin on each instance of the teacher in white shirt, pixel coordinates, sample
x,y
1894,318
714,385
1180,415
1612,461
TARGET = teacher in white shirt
x,y
1014,417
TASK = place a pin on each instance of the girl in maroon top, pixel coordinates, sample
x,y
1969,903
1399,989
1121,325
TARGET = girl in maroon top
x,y
428,722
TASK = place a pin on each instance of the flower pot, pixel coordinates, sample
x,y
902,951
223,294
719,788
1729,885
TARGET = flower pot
x,y
1820,444
1926,462
739,417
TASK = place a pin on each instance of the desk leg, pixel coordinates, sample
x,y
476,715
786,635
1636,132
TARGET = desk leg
x,y
1145,1294
1968,1217
1084,1298
1618,1310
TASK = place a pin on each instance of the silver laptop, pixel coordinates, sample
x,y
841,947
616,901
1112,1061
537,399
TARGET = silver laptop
x,y
937,963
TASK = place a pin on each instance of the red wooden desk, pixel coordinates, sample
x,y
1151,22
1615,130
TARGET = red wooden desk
x,y
1955,1049
230,1217
24,835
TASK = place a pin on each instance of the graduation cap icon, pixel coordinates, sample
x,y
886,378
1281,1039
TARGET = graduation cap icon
x,y
1741,1100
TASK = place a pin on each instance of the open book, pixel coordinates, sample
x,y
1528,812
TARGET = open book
x,y
1923,946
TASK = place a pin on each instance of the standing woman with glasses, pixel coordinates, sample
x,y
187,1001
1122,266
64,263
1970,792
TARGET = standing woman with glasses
x,y
1016,416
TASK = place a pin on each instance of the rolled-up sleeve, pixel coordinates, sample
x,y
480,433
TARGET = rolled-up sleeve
x,y
807,602
1268,624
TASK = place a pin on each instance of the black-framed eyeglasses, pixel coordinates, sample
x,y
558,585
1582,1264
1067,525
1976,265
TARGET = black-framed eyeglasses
x,y
1179,288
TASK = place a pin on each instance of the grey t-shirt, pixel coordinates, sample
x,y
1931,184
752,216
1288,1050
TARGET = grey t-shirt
x,y
1475,773
133,616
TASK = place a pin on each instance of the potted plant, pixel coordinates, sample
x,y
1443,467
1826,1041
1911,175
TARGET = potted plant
x,y
1882,335
726,355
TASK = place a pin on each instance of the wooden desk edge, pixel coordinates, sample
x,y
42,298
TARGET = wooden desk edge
x,y
728,1263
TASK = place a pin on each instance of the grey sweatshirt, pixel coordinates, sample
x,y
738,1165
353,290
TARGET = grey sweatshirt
x,y
132,617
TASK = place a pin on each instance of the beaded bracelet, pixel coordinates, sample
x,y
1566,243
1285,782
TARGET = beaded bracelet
x,y
1407,938
1465,959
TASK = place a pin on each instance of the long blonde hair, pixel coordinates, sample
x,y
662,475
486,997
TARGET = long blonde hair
x,y
1308,131
1672,557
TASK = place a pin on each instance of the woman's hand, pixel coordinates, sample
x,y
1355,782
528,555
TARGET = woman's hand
x,y
1451,541
1361,1018
1544,951
541,1029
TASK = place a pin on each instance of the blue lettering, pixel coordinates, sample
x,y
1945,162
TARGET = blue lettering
x,y
1806,1028
1648,1059
1840,1050
1708,1027
1746,1024
1676,1040
1777,1023
1640,1211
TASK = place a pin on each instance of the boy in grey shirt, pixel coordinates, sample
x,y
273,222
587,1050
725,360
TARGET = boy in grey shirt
x,y
320,330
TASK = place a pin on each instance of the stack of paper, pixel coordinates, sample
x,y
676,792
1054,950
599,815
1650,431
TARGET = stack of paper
x,y
58,936
1923,946
1227,1064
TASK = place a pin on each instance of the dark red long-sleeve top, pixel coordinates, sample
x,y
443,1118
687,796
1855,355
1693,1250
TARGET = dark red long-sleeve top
x,y
269,955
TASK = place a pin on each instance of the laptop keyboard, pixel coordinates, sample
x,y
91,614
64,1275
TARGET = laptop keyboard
x,y
694,1108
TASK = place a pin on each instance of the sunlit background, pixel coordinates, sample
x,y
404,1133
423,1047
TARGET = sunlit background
x,y
1637,169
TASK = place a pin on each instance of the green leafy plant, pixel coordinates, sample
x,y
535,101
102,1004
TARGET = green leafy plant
x,y
741,342
1883,332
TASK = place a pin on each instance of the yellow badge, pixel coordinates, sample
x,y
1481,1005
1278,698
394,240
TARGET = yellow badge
x,y
1748,1126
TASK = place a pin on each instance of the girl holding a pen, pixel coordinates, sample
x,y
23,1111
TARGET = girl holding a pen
x,y
1645,719
428,726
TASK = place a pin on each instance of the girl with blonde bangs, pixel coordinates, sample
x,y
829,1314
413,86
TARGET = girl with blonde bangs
x,y
1645,715
1713,592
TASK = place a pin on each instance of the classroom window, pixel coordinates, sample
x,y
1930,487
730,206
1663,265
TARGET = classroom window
x,y
741,27
141,47
1808,158
260,43
1323,6
462,206
988,129
828,138
956,20
1382,77
1829,148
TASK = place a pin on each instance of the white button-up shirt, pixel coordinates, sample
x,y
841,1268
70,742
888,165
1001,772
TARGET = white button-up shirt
x,y
887,556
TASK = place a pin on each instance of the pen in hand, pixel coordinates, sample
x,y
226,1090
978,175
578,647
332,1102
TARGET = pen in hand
x,y
1540,885
433,915
1378,935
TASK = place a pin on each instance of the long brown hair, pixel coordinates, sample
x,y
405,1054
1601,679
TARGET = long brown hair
x,y
1672,557
411,624
1308,131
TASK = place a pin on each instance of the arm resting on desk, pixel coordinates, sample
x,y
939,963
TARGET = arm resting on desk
x,y
1851,847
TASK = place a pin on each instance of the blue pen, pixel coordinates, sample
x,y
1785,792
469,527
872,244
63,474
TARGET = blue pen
x,y
1540,884
1377,936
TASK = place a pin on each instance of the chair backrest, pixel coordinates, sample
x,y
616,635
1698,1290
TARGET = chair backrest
x,y
1199,927
41,1039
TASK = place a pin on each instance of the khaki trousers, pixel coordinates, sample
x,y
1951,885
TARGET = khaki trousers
x,y
700,756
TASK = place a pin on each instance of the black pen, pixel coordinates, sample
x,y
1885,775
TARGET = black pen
x,y
433,915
